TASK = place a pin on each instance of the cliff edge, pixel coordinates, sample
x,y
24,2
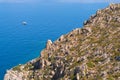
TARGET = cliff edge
x,y
88,53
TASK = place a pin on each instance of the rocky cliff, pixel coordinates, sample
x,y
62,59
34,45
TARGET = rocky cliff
x,y
88,53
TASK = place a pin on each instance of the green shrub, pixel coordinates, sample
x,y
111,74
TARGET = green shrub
x,y
90,64
17,68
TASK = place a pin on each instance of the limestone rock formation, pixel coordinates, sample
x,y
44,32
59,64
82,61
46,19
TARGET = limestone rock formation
x,y
89,53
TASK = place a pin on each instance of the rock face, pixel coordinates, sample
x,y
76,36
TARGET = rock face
x,y
90,53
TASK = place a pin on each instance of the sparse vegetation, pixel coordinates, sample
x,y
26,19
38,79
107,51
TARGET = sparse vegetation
x,y
89,53
17,68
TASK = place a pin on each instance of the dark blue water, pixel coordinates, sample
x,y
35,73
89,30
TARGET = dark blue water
x,y
19,43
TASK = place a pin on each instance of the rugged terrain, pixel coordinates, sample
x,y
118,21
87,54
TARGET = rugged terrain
x,y
88,53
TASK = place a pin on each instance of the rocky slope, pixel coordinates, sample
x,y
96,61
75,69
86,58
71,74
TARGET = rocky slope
x,y
89,53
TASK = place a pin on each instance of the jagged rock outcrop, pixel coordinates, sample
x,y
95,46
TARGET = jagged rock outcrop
x,y
89,53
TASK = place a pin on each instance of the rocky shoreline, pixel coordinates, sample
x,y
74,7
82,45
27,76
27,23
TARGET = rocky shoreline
x,y
88,53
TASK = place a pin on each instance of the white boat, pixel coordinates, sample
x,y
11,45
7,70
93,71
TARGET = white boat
x,y
24,23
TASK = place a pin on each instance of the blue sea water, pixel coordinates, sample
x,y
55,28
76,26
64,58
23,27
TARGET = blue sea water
x,y
21,43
